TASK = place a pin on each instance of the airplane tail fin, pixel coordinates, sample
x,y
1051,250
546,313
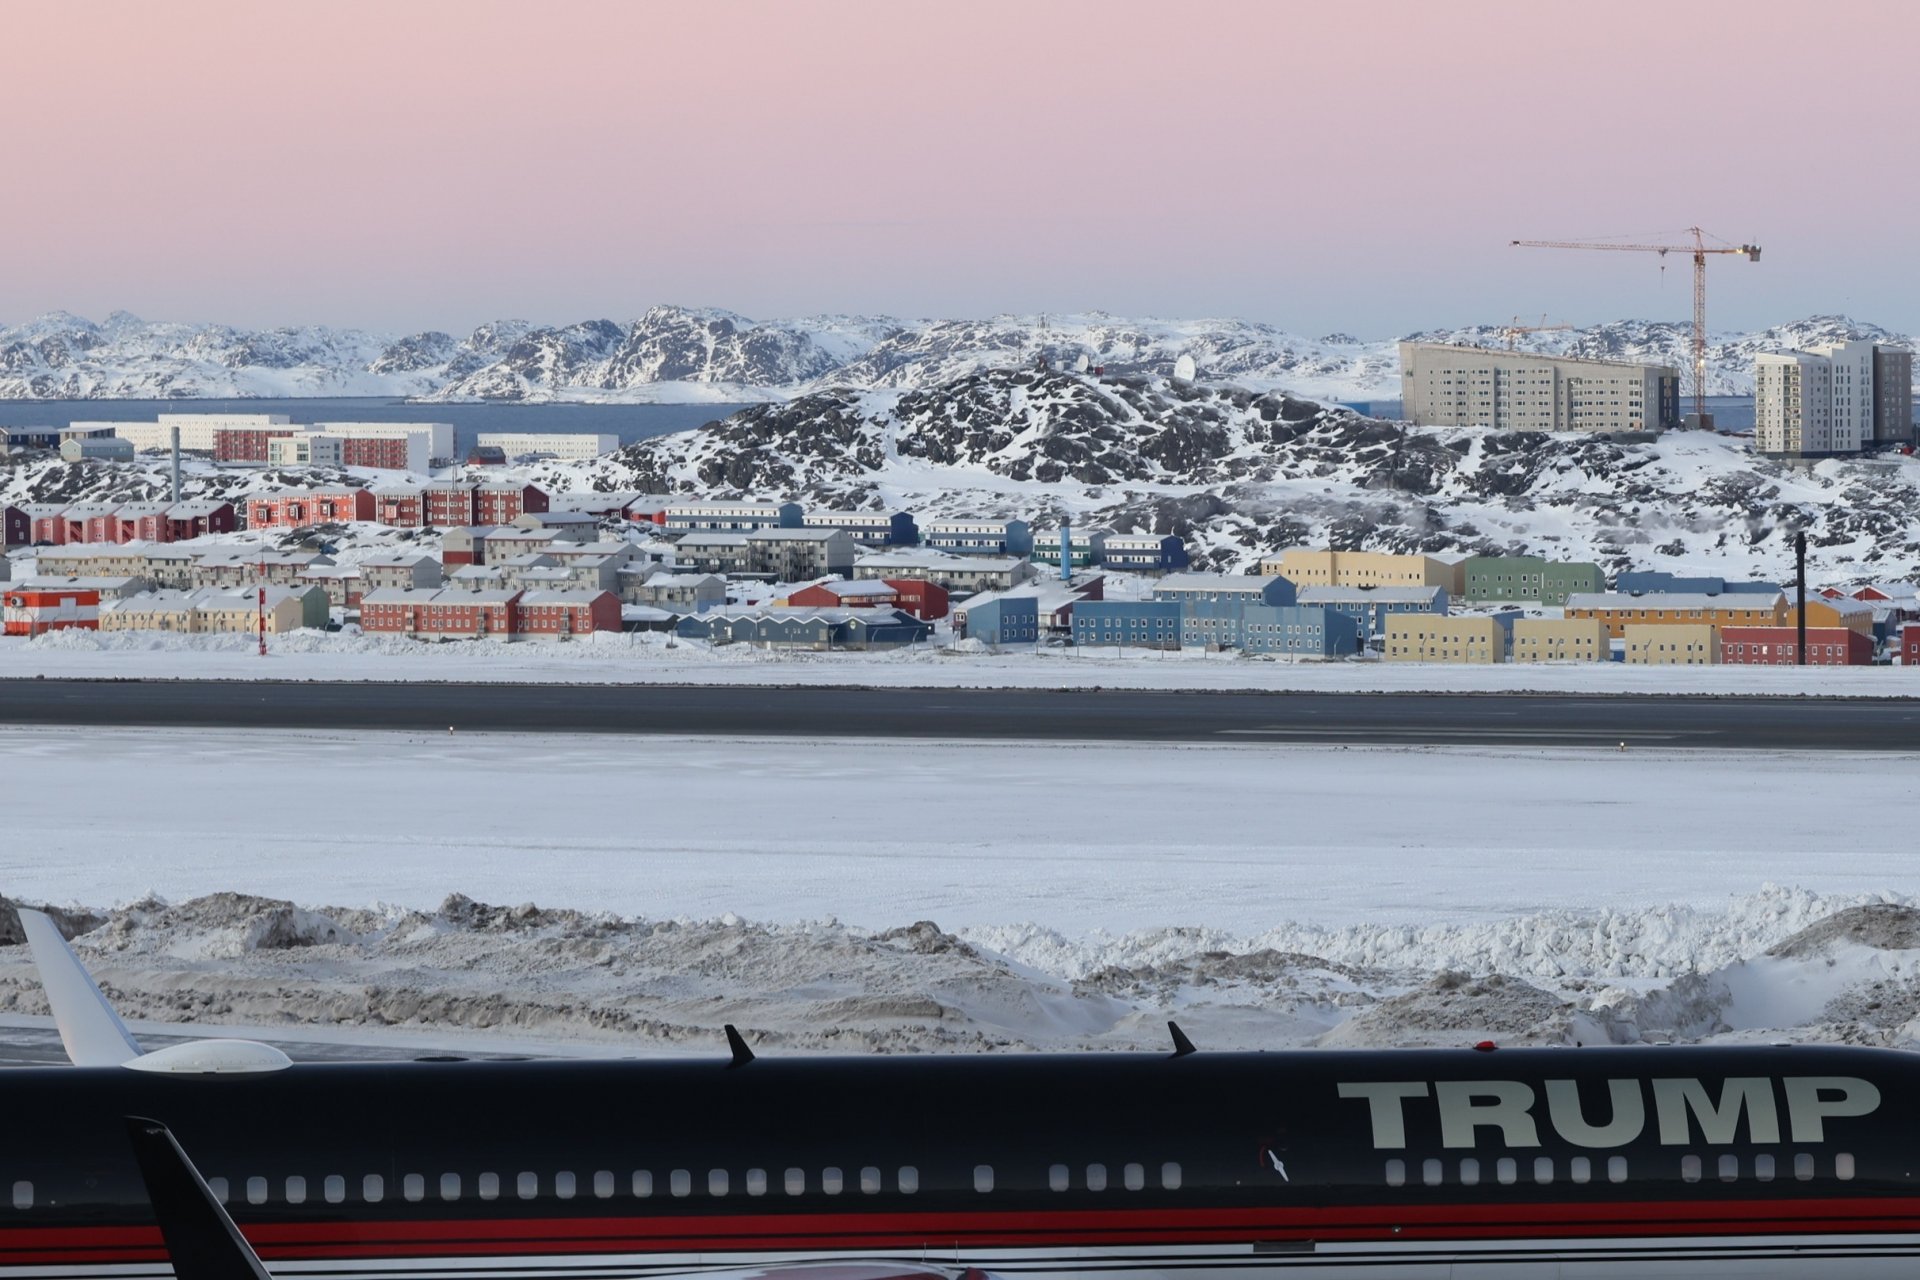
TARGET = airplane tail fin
x,y
89,1028
202,1242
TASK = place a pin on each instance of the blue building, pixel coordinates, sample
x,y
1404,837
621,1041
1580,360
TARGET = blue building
x,y
867,528
809,628
998,618
1143,624
979,537
1370,607
1639,582
1089,546
1145,552
1299,630
1211,604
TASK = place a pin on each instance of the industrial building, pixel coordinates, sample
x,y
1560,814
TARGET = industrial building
x,y
1415,637
1442,385
1561,640
1694,644
1529,579
36,612
1838,398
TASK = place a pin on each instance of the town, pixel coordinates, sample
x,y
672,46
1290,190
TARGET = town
x,y
508,560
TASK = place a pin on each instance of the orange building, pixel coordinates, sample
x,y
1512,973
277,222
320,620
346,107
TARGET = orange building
x,y
34,611
1853,615
1730,609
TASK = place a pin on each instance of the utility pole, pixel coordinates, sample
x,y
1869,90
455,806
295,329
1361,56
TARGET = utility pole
x,y
1800,585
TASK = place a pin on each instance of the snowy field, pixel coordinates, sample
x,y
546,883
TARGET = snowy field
x,y
947,896
650,659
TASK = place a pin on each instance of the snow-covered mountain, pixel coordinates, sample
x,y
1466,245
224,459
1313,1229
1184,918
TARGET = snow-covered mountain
x,y
679,354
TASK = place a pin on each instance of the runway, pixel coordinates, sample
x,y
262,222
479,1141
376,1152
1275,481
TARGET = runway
x,y
1560,720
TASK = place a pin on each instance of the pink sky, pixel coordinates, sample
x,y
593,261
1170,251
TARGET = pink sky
x,y
1325,166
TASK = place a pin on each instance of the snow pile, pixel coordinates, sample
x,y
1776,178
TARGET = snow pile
x,y
1853,974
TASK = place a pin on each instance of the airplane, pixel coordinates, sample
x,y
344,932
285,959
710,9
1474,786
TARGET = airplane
x,y
1629,1161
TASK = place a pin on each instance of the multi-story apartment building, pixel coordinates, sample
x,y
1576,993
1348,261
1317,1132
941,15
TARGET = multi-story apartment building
x,y
1456,386
1428,637
1834,399
1673,645
575,446
1561,640
1734,609
1309,568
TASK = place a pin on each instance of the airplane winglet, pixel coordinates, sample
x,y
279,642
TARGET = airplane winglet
x,y
1181,1045
737,1044
89,1028
202,1242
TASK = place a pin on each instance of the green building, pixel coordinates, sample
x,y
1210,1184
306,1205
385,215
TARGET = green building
x,y
1529,578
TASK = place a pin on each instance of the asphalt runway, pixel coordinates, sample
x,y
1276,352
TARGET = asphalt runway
x,y
1569,720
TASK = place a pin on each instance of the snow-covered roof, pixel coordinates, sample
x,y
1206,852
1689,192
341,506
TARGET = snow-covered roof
x,y
528,560
665,578
398,560
770,612
1748,601
848,590
792,535
713,538
1368,595
1239,582
443,595
475,573
84,582
1843,606
935,560
587,596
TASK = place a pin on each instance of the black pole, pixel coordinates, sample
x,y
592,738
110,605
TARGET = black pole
x,y
1800,578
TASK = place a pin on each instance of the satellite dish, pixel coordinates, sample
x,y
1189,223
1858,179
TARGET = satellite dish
x,y
1082,364
1183,368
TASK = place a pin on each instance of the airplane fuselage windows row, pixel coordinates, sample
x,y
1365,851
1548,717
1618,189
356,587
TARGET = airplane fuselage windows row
x,y
604,1184
1544,1170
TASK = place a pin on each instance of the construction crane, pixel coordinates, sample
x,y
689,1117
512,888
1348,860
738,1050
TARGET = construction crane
x,y
1514,330
1699,249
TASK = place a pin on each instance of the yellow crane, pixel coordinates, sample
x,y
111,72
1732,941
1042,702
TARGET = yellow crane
x,y
1514,330
1699,249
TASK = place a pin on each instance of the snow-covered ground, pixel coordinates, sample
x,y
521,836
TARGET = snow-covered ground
x,y
651,659
862,894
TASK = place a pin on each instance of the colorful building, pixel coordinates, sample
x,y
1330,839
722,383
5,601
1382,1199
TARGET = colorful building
x,y
1673,644
1780,646
1731,609
1561,640
1529,579
1426,637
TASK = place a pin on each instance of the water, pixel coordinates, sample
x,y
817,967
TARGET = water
x,y
630,422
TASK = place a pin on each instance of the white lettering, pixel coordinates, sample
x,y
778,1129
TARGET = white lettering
x,y
1629,1114
1384,1099
1508,1111
1719,1124
1808,1111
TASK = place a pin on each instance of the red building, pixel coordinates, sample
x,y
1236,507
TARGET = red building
x,y
201,516
401,507
47,524
293,508
36,611
505,503
442,615
389,452
246,444
835,594
1779,646
142,522
555,615
1910,645
89,522
16,526
450,503
926,601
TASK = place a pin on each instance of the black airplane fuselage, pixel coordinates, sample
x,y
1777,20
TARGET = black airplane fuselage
x,y
1722,1161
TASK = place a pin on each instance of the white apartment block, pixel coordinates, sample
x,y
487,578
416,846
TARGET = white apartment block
x,y
1833,399
196,429
438,435
1455,386
573,446
308,449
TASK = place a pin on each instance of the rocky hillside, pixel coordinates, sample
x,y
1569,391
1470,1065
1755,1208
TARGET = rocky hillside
x,y
702,356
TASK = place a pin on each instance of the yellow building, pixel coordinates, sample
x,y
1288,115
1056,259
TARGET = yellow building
x,y
1561,640
1854,615
196,612
1428,637
1673,644
1731,609
1306,568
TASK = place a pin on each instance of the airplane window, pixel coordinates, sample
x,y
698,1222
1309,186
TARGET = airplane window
x,y
1729,1168
1135,1176
909,1180
219,1188
1170,1175
1396,1173
983,1178
716,1182
489,1186
256,1190
1616,1168
1096,1177
1505,1171
796,1180
413,1187
1580,1169
563,1185
1057,1177
869,1180
23,1195
603,1184
1689,1168
449,1186
1763,1168
334,1188
1430,1172
1803,1167
1543,1169
527,1185
1469,1172
1843,1166
830,1181
680,1182
642,1183
296,1190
